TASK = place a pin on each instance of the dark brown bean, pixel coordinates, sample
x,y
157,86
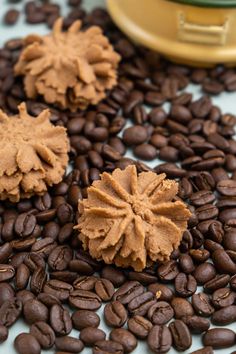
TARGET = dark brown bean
x,y
219,338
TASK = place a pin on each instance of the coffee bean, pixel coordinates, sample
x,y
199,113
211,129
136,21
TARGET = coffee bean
x,y
115,314
196,324
10,311
223,262
25,343
204,272
128,292
224,316
159,339
84,300
3,333
22,277
114,275
185,285
125,338
35,311
223,297
141,303
162,292
219,338
160,313
202,305
145,152
90,335
43,333
135,135
168,271
181,336
69,344
25,224
5,252
7,272
104,289
60,320
57,288
139,326
85,318
60,257
227,187
217,282
107,346
6,293
181,307
143,277
202,197
186,263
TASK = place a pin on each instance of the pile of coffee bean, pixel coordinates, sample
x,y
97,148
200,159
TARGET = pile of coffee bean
x,y
43,270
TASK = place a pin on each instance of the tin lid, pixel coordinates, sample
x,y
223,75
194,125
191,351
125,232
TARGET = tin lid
x,y
208,3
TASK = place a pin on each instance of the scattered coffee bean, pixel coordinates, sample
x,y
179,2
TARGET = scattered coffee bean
x,y
219,338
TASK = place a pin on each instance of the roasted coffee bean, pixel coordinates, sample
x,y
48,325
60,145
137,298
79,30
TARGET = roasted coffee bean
x,y
24,296
11,17
233,282
7,272
159,339
114,275
227,214
43,333
145,152
202,305
58,288
205,350
128,292
6,293
229,240
139,326
104,289
3,333
69,344
135,135
10,311
26,343
182,339
38,279
60,257
125,338
84,300
78,265
141,303
202,197
219,338
48,299
115,314
85,318
90,335
5,252
196,324
186,264
162,292
227,187
60,320
185,285
44,246
35,311
107,346
224,316
181,307
160,313
204,272
223,262
143,277
25,224
34,261
223,297
22,277
219,281
85,283
168,271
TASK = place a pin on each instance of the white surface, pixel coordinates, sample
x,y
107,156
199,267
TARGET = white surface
x,y
226,101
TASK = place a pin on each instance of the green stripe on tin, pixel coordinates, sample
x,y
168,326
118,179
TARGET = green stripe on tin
x,y
208,3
